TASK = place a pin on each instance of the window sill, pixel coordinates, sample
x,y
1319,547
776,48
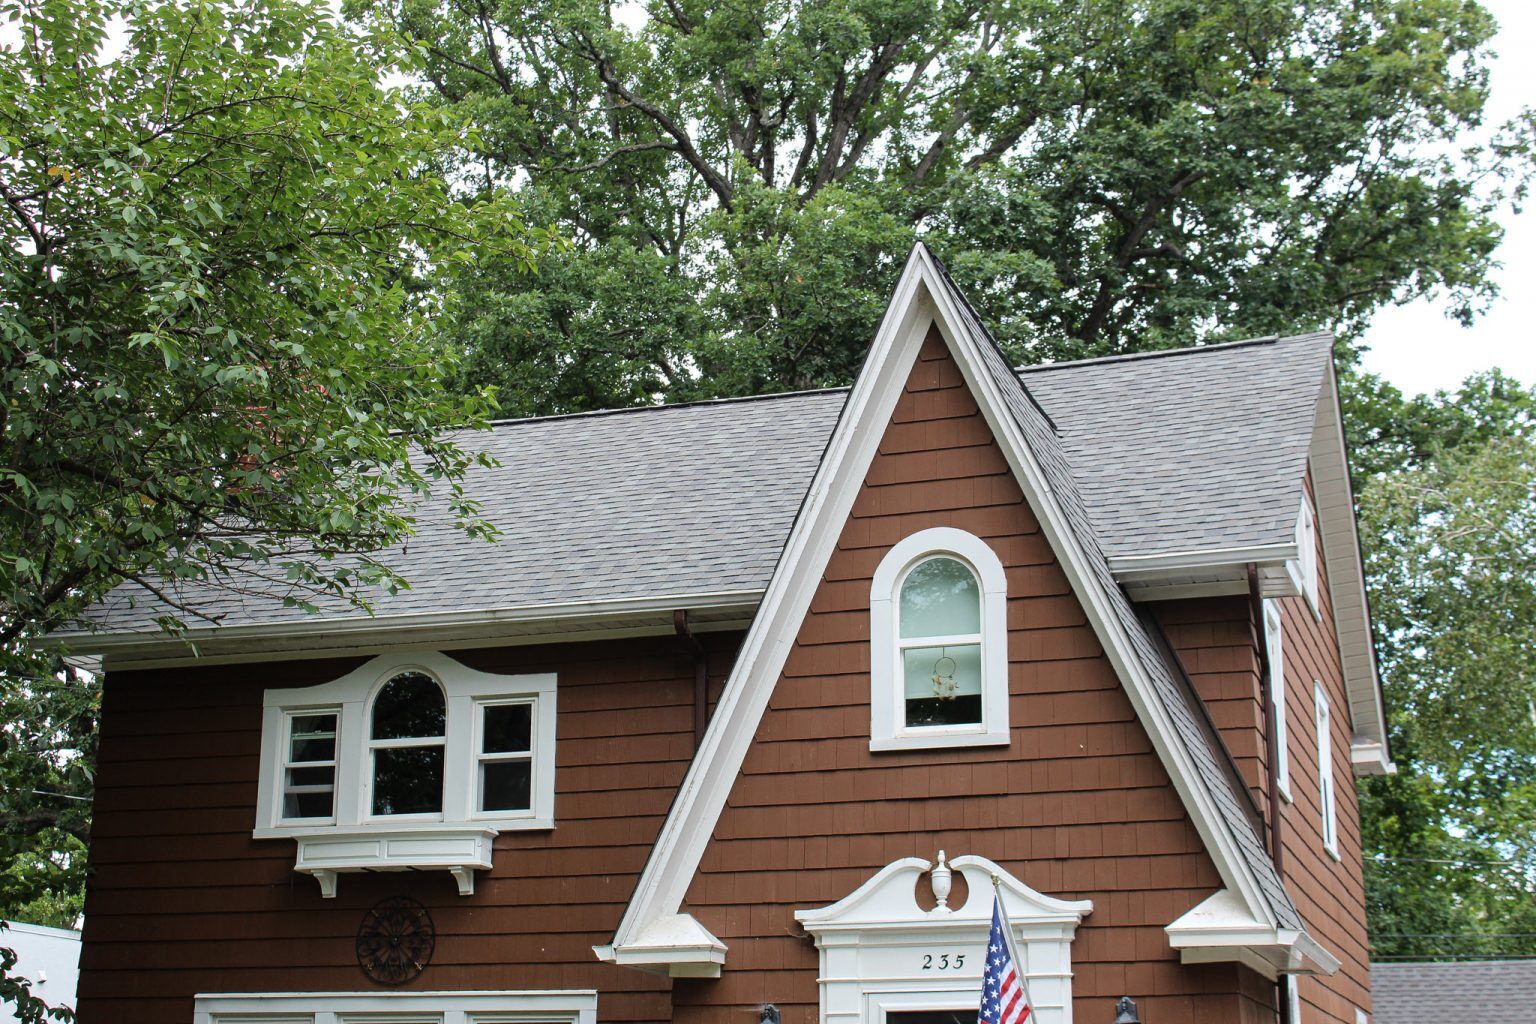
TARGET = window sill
x,y
939,740
327,853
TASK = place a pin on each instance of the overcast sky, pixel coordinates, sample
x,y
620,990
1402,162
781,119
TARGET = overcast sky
x,y
1415,346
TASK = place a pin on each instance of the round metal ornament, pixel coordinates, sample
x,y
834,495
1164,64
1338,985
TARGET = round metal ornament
x,y
395,941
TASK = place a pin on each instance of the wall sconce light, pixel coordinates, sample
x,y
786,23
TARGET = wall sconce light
x,y
1125,1011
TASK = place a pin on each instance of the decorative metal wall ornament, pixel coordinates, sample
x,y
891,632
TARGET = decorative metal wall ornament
x,y
395,941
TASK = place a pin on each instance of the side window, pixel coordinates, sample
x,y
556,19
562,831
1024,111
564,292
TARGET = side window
x,y
309,766
1327,798
939,644
504,776
1274,640
1306,553
408,734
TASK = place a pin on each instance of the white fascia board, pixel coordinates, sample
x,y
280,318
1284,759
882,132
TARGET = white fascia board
x,y
920,299
361,630
1127,567
1335,514
677,946
1220,930
1370,758
715,766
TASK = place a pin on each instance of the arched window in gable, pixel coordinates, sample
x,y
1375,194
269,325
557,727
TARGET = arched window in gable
x,y
939,660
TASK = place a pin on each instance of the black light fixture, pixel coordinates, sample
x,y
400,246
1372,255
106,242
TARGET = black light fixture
x,y
770,1015
1125,1011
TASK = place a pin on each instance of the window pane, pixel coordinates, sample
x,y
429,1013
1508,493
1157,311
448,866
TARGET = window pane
x,y
943,684
408,780
507,728
931,1017
940,597
309,792
312,738
505,785
410,705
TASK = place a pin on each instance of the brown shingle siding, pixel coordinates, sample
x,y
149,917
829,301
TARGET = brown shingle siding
x,y
1077,805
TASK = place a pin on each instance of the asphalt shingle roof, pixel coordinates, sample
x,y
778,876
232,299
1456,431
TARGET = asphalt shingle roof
x,y
1193,449
1474,992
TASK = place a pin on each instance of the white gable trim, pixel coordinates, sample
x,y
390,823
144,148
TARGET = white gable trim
x,y
920,299
1335,506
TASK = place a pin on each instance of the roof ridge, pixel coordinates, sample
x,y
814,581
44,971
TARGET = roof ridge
x,y
1127,357
515,420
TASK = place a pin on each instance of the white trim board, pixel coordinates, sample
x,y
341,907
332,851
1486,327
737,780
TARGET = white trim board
x,y
921,299
555,1006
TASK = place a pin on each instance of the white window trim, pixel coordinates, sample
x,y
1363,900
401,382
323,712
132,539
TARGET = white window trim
x,y
1306,571
457,840
1327,796
887,727
1274,638
567,1006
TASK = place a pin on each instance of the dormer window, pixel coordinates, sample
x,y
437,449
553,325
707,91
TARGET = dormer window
x,y
939,661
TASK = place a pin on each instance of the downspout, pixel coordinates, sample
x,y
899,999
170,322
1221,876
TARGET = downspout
x,y
700,675
1272,747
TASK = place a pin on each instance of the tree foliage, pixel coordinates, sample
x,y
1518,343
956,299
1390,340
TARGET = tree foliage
x,y
1448,512
217,361
742,178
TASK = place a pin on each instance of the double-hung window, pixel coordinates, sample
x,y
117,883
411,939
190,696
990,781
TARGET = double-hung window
x,y
939,644
1326,796
309,766
504,762
1274,640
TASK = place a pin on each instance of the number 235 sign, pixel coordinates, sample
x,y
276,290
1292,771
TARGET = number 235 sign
x,y
943,961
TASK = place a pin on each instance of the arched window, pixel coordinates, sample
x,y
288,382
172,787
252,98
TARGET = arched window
x,y
406,740
938,659
939,634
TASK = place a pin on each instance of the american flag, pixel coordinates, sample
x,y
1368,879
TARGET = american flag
x,y
1003,998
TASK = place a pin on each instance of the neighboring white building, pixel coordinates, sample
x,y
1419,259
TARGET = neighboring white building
x,y
47,957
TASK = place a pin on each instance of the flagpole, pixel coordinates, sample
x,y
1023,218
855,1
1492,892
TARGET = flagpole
x,y
1013,950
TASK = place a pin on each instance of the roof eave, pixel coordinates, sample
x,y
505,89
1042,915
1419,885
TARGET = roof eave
x,y
345,635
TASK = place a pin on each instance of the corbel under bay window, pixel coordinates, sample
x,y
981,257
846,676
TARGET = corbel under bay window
x,y
939,644
410,762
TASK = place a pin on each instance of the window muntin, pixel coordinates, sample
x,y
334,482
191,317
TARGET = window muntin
x,y
406,746
309,766
504,759
939,644
1275,640
1327,798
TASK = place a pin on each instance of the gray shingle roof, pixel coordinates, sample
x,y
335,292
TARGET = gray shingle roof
x,y
682,500
1192,449
1475,992
1195,731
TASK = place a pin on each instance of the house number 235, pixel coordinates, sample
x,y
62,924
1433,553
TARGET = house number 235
x,y
943,961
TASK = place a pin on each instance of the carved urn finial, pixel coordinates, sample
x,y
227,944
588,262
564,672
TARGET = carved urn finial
x,y
940,878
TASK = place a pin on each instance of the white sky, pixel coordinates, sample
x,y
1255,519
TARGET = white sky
x,y
1415,346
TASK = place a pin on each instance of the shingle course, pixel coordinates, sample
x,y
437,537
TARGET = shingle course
x,y
1188,450
1473,992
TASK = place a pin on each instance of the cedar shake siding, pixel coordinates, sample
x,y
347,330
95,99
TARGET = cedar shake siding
x,y
1078,806
1329,893
182,900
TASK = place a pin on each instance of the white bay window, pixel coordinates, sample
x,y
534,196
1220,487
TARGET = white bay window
x,y
410,762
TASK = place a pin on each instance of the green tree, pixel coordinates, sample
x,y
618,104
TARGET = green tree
x,y
1447,501
742,178
217,362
